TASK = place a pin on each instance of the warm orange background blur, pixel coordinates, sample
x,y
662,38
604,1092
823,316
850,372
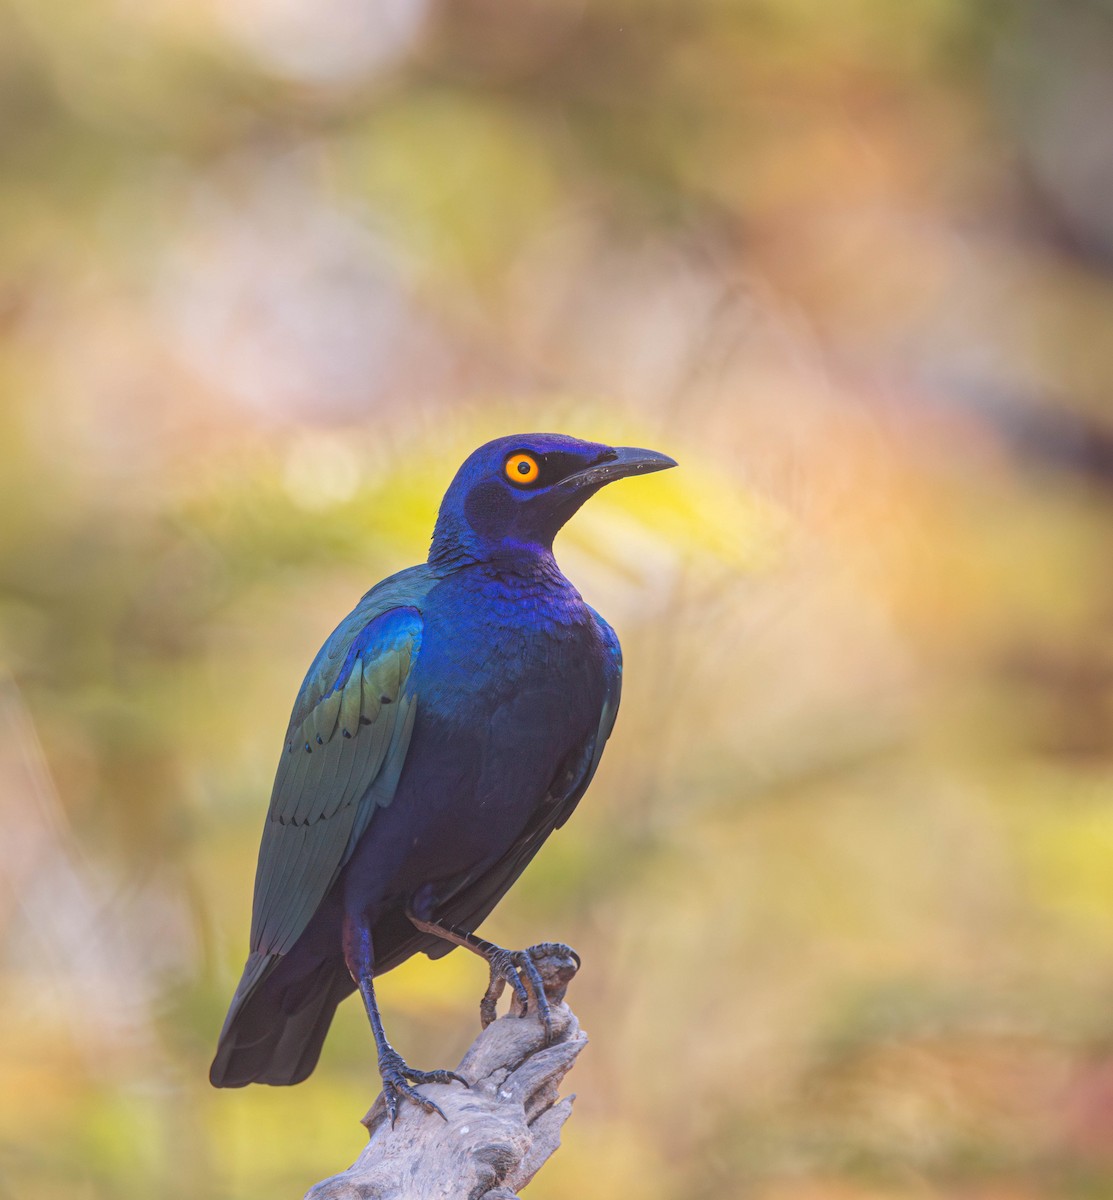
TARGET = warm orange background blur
x,y
844,883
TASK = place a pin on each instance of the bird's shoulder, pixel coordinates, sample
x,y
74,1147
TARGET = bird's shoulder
x,y
393,607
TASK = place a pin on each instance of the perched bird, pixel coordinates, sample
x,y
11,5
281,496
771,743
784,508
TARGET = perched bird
x,y
447,726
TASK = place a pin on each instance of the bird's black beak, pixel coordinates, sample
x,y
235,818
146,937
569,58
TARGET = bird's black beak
x,y
617,464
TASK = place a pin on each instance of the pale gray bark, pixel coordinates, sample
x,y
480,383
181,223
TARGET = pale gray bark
x,y
500,1131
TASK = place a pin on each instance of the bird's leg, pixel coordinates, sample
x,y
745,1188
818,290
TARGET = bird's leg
x,y
516,967
396,1075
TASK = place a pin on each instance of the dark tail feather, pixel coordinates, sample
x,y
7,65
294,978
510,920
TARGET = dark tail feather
x,y
276,1027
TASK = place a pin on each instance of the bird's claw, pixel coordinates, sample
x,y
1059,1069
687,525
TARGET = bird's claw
x,y
519,969
398,1079
555,950
504,970
524,961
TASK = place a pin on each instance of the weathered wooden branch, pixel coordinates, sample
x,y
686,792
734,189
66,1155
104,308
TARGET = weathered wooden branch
x,y
500,1131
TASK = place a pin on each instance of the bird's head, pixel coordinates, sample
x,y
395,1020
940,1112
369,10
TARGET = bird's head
x,y
512,495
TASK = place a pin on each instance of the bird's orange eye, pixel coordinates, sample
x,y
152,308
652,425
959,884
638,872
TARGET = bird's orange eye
x,y
522,468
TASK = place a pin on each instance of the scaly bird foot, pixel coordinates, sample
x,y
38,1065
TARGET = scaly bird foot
x,y
519,968
395,1074
504,970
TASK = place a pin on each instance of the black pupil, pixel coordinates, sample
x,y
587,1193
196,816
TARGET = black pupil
x,y
524,467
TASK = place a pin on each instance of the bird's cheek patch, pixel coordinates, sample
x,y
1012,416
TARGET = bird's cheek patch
x,y
489,510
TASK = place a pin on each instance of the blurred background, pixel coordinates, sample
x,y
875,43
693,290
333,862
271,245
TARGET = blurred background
x,y
844,883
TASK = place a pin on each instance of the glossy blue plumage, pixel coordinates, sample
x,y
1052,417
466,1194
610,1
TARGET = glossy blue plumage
x,y
452,720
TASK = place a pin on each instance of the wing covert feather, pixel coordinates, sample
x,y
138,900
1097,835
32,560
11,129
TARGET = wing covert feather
x,y
342,759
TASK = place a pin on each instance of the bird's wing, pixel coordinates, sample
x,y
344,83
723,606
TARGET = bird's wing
x,y
344,752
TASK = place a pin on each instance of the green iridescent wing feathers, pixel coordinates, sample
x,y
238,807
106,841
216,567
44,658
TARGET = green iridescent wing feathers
x,y
344,752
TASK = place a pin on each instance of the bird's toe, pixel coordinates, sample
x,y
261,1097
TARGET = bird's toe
x,y
555,957
394,1089
504,970
540,974
398,1082
436,1077
524,960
